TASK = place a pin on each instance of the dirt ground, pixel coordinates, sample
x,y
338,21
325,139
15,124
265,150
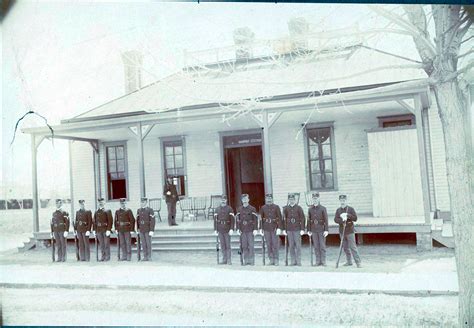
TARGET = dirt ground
x,y
52,306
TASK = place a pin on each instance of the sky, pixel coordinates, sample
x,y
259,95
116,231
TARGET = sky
x,y
64,58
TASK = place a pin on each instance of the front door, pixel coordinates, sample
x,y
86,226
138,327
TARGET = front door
x,y
243,161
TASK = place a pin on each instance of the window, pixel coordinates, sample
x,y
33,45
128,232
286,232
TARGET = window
x,y
116,171
320,158
173,153
398,120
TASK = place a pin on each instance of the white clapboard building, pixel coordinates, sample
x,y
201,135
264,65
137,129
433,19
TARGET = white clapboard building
x,y
339,120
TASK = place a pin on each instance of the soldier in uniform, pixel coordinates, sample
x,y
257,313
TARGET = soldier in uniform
x,y
59,229
294,222
347,215
247,227
171,196
82,228
124,225
318,229
224,222
146,227
270,227
102,226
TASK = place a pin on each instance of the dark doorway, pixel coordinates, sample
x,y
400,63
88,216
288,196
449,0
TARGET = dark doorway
x,y
244,171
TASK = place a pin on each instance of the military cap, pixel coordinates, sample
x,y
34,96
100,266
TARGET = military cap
x,y
269,195
315,195
101,199
144,199
224,197
123,200
59,200
244,195
342,196
291,196
81,201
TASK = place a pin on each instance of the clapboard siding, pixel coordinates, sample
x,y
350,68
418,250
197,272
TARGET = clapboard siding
x,y
82,166
395,173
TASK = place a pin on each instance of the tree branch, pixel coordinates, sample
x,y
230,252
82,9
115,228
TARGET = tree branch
x,y
408,26
458,72
466,53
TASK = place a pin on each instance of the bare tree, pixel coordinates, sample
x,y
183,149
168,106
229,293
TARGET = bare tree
x,y
440,57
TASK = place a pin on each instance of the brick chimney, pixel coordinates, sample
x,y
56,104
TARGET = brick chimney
x,y
243,40
132,62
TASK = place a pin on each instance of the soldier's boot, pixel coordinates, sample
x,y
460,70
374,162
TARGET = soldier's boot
x,y
347,264
359,265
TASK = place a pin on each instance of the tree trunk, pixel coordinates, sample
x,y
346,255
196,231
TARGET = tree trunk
x,y
454,118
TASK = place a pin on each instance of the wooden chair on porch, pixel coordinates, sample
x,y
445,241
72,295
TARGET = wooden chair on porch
x,y
213,204
309,198
200,204
155,204
297,198
186,206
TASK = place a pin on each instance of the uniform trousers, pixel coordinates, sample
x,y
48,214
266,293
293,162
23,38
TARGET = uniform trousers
x,y
84,247
273,245
125,240
104,245
247,240
349,246
60,245
145,241
224,241
319,244
294,243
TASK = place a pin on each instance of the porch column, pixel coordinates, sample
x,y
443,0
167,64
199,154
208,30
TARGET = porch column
x,y
34,179
267,170
141,160
96,162
424,242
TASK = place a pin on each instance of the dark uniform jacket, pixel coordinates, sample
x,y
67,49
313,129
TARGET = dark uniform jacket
x,y
102,220
294,218
174,193
83,221
124,220
60,221
317,219
247,221
145,219
351,218
271,217
224,221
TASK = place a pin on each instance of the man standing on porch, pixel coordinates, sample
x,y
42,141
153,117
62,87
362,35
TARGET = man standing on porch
x,y
294,227
247,226
82,226
224,223
318,228
59,229
171,196
346,215
124,224
145,227
102,227
270,226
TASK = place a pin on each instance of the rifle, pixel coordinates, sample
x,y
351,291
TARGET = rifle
x,y
286,249
241,251
311,250
263,247
340,246
118,245
53,255
96,247
217,248
76,244
139,254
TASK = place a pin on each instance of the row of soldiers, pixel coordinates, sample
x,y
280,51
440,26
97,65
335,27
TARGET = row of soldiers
x,y
100,224
292,224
